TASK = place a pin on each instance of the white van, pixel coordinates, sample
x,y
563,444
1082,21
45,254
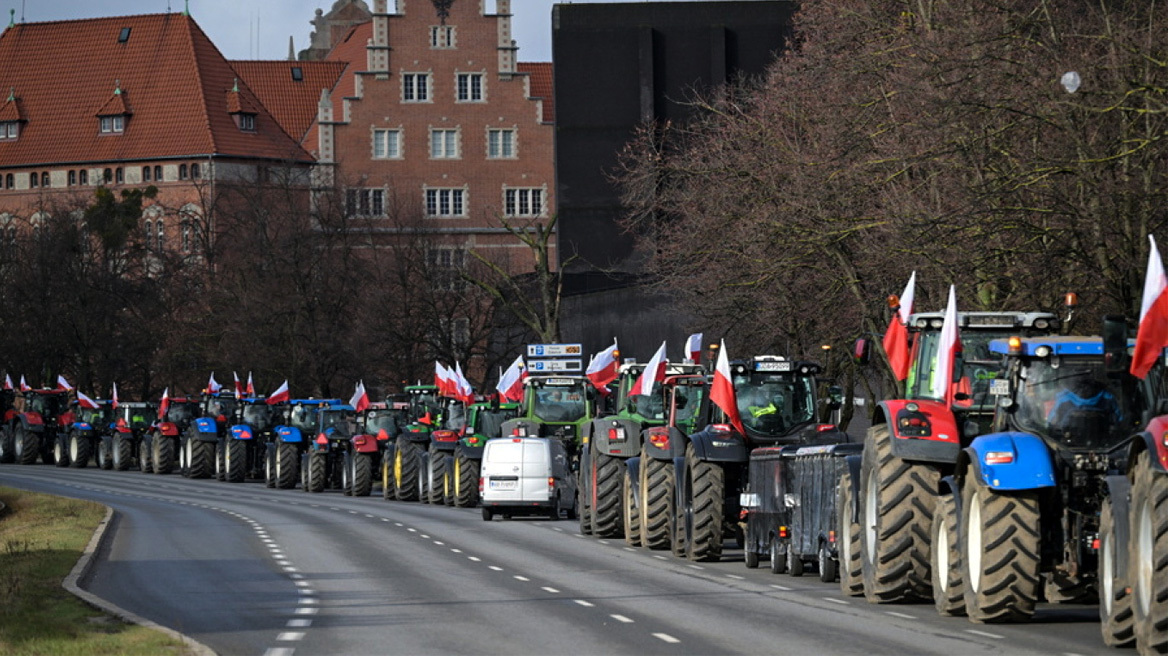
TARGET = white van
x,y
526,476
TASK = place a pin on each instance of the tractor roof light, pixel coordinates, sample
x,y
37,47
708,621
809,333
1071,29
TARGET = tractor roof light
x,y
922,323
1015,344
1071,300
912,407
893,301
936,323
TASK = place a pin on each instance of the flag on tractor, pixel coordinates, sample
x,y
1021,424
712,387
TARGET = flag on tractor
x,y
85,401
238,386
164,404
280,395
947,348
654,373
63,384
603,368
693,346
722,390
360,400
213,386
510,385
896,337
1152,334
114,397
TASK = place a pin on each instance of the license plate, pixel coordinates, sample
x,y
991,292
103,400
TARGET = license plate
x,y
1000,387
504,485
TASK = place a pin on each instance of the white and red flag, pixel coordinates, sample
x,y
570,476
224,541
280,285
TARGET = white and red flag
x,y
213,386
238,386
896,337
164,404
947,347
7,382
444,380
463,392
280,395
114,397
654,373
63,384
603,368
510,385
693,347
85,401
360,400
722,390
250,385
1152,335
23,385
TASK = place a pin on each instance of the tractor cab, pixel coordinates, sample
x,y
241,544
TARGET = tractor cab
x,y
381,421
51,405
336,421
135,415
485,421
777,401
554,406
219,405
99,418
256,413
181,412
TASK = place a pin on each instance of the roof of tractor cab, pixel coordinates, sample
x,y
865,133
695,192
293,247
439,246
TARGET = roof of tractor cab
x,y
1031,346
986,320
315,402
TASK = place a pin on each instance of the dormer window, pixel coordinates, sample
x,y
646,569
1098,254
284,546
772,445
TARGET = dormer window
x,y
114,114
11,116
9,130
297,74
241,109
246,122
113,124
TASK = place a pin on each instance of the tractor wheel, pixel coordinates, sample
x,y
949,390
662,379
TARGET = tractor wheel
x,y
606,514
466,480
778,557
583,485
1115,599
630,514
123,453
105,454
388,490
6,446
679,535
286,470
347,474
948,584
28,445
80,451
828,566
1148,556
896,505
1000,554
848,532
705,488
146,454
200,458
317,460
220,460
423,476
405,470
163,456
362,475
434,479
235,460
270,465
658,490
448,485
60,454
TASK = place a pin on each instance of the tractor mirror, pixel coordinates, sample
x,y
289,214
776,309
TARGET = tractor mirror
x,y
862,352
835,397
1115,343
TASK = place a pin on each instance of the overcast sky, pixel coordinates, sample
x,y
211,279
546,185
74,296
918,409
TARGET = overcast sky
x,y
234,24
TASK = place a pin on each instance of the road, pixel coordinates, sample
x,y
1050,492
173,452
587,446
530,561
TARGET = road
x,y
248,570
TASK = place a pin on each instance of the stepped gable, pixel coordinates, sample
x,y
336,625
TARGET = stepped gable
x,y
540,76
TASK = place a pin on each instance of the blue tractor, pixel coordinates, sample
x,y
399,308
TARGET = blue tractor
x,y
245,451
1022,518
203,443
326,454
296,428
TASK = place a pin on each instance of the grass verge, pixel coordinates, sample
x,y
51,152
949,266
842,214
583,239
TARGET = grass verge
x,y
41,538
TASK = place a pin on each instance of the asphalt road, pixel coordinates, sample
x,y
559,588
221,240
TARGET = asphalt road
x,y
248,570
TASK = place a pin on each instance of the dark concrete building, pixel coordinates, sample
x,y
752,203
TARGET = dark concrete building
x,y
618,66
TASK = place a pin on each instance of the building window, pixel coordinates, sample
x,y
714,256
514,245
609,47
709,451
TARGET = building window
x,y
416,87
446,265
9,129
149,233
119,175
297,74
246,122
500,144
445,202
83,176
160,235
182,171
387,144
186,237
195,172
45,179
442,36
113,124
443,144
365,202
9,181
523,202
158,174
33,180
470,87
145,174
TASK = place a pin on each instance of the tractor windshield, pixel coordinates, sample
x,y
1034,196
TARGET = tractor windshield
x,y
773,404
423,403
303,417
1073,401
96,416
381,420
341,420
218,406
48,405
134,416
650,406
181,413
980,367
455,416
257,415
687,400
489,423
560,403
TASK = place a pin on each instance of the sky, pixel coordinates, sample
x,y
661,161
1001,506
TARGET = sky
x,y
259,29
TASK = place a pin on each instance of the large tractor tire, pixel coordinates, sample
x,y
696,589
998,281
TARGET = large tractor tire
x,y
1000,553
405,470
658,490
630,513
28,445
466,480
235,460
315,472
60,456
105,454
583,502
388,489
146,455
362,474
448,485
435,479
163,456
347,474
1117,621
7,454
1148,556
270,465
948,581
80,451
851,574
200,458
704,512
287,472
220,460
123,454
896,510
607,479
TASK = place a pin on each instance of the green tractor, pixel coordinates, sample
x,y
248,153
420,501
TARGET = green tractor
x,y
403,459
484,421
555,406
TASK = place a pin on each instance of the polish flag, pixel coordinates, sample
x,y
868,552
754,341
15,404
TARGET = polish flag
x,y
85,401
693,346
238,386
722,390
510,385
896,337
360,400
164,404
114,397
213,386
280,395
1152,335
465,390
602,370
947,348
250,385
444,380
63,384
7,382
23,385
654,373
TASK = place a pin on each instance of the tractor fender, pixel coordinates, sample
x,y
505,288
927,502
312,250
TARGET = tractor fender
x,y
473,452
364,443
32,422
1119,489
206,425
169,429
663,442
679,477
82,427
242,432
716,445
1154,440
633,466
933,436
1011,461
289,434
616,436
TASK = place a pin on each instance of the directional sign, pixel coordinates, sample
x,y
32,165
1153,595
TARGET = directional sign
x,y
554,350
540,366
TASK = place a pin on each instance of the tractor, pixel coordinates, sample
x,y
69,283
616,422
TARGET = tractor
x,y
437,464
322,464
125,441
8,408
402,459
87,436
204,441
159,451
40,429
245,450
375,426
484,422
283,455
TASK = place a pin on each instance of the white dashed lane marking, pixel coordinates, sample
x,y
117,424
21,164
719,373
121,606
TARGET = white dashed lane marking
x,y
986,634
622,619
665,637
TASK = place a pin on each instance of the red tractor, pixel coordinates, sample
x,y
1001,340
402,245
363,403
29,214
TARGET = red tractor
x,y
41,427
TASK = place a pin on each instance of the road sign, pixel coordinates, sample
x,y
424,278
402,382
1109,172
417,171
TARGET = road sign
x,y
554,350
541,366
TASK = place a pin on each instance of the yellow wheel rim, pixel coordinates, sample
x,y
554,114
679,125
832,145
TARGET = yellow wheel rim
x,y
385,474
397,465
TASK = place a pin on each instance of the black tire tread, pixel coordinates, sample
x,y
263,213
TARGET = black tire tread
x,y
709,486
1151,627
658,490
467,494
606,516
1011,555
1118,625
851,570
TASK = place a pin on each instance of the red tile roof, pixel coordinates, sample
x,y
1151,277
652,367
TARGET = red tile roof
x,y
115,106
292,102
173,77
350,53
11,111
541,86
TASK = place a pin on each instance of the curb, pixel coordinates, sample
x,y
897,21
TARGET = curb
x,y
82,568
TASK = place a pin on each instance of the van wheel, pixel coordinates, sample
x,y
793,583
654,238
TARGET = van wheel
x,y
488,515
